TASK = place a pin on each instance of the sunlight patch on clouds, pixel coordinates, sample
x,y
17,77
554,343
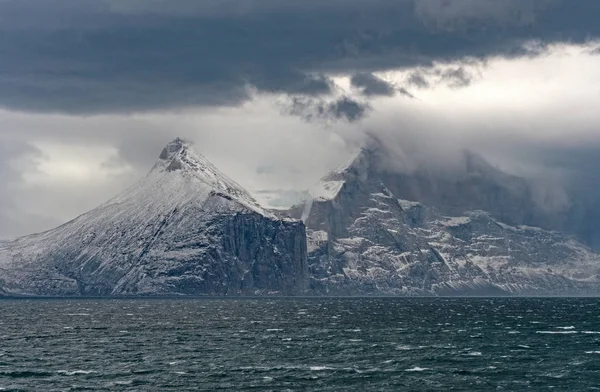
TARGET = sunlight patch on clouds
x,y
560,84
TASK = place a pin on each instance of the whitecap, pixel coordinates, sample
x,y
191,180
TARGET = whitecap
x,y
320,368
566,328
274,330
556,332
416,369
592,352
523,346
474,354
408,348
75,372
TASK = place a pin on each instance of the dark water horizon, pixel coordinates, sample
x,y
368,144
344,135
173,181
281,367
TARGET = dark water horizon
x,y
300,344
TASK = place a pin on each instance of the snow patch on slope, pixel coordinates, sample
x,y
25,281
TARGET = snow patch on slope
x,y
330,185
407,204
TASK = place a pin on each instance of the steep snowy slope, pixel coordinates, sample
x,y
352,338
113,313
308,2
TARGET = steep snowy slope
x,y
185,228
365,239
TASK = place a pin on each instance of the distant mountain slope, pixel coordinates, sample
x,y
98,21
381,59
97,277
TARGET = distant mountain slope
x,y
186,228
366,238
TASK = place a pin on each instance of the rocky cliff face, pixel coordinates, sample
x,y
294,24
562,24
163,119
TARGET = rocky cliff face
x,y
184,229
364,237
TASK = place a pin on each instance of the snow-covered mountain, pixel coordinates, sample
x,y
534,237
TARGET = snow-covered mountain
x,y
364,237
186,228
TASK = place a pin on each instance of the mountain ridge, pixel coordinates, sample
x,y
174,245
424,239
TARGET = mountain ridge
x,y
366,238
188,229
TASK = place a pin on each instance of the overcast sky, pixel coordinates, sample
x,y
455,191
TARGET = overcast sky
x,y
277,93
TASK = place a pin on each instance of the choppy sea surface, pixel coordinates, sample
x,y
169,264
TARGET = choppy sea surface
x,y
363,344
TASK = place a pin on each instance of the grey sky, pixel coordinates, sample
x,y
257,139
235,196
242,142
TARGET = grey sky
x,y
276,93
99,56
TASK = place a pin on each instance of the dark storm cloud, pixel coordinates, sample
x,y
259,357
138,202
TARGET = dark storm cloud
x,y
372,85
457,77
316,109
99,56
347,108
417,79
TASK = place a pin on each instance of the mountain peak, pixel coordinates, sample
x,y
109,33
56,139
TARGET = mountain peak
x,y
173,148
180,154
179,161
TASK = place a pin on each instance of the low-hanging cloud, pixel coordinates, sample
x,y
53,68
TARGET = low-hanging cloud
x,y
458,75
316,109
372,85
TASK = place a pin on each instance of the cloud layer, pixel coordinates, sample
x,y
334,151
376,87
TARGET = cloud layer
x,y
125,56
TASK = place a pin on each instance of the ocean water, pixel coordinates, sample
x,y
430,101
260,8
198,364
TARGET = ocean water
x,y
363,344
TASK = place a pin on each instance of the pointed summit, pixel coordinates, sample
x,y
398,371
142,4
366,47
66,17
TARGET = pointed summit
x,y
178,155
182,165
172,148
